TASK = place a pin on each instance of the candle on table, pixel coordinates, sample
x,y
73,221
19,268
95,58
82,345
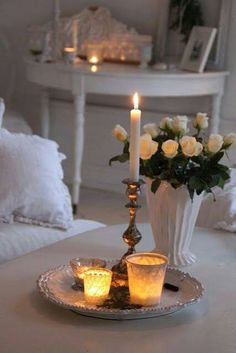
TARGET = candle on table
x,y
69,55
80,265
93,60
135,116
75,34
146,272
94,53
97,283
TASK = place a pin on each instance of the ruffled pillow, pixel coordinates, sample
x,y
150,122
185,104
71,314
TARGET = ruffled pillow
x,y
2,110
220,214
31,181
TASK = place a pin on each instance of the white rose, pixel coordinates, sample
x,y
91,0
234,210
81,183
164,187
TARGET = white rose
x,y
147,146
190,147
201,121
166,123
179,124
120,133
170,148
230,139
151,129
215,143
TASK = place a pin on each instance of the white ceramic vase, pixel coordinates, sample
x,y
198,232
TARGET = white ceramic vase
x,y
173,216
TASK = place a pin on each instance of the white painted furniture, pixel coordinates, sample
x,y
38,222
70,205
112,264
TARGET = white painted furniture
x,y
31,324
114,79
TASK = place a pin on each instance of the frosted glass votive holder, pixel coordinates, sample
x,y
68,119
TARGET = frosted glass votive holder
x,y
94,53
146,273
97,283
69,55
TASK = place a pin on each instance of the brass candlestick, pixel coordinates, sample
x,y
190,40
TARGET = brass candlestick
x,y
132,235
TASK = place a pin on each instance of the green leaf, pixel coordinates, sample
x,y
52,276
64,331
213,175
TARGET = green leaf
x,y
191,192
155,185
122,158
126,147
216,157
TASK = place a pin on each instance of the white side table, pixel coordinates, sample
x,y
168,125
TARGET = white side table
x,y
115,79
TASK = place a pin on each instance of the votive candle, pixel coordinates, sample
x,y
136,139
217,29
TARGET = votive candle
x,y
97,284
146,272
69,55
75,34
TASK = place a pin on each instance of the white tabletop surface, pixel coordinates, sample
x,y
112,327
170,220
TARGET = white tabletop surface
x,y
28,323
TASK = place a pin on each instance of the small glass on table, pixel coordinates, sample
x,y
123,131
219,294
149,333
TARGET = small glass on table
x,y
94,53
80,265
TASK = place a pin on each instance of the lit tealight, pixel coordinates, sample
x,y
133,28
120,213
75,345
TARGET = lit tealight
x,y
97,283
93,60
94,53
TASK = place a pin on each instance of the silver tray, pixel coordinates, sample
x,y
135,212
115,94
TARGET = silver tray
x,y
55,286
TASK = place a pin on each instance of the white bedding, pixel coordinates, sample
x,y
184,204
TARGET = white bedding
x,y
17,239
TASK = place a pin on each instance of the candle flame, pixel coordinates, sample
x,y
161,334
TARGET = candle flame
x,y
93,60
136,100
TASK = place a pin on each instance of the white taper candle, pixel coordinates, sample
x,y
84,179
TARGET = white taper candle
x,y
75,34
135,116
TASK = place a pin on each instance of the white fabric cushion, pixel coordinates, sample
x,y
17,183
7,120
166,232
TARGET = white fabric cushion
x,y
14,122
221,213
18,239
31,186
2,109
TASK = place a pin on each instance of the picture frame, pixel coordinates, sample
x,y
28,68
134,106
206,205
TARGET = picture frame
x,y
220,20
198,48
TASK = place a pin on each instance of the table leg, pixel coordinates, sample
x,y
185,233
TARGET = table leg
x,y
215,121
45,115
78,142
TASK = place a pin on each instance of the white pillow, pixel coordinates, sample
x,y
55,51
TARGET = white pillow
x,y
221,213
2,109
31,186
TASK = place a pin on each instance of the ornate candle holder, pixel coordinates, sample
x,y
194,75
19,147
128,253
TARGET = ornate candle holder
x,y
132,235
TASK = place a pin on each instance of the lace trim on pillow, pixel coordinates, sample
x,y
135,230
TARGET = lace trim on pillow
x,y
62,225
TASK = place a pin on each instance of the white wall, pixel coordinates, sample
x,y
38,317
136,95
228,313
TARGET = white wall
x,y
229,102
15,15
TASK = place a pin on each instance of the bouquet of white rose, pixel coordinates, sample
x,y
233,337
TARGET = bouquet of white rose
x,y
167,153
